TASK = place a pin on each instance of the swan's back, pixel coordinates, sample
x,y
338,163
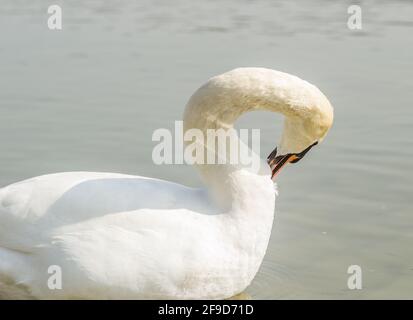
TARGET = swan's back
x,y
74,197
89,194
102,228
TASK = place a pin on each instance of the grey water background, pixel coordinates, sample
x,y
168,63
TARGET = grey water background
x,y
90,96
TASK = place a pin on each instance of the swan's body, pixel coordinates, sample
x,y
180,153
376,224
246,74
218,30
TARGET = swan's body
x,y
126,237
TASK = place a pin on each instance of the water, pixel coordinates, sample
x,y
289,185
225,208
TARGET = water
x,y
90,96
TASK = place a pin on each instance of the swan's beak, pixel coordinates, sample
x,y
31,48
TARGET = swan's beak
x,y
277,162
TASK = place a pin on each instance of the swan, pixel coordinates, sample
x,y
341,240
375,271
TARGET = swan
x,y
117,236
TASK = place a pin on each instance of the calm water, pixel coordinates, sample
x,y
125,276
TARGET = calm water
x,y
90,96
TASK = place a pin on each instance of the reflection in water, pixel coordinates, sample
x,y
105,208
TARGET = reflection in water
x,y
90,96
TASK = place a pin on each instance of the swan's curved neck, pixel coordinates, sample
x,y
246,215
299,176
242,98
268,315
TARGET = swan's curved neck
x,y
217,105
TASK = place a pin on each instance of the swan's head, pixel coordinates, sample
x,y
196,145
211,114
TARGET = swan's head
x,y
308,113
308,119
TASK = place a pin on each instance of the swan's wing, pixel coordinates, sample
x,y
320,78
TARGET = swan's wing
x,y
104,227
32,208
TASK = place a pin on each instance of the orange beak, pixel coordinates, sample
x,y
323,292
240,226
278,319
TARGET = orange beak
x,y
278,162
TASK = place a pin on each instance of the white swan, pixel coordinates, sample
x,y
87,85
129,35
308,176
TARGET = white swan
x,y
118,236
